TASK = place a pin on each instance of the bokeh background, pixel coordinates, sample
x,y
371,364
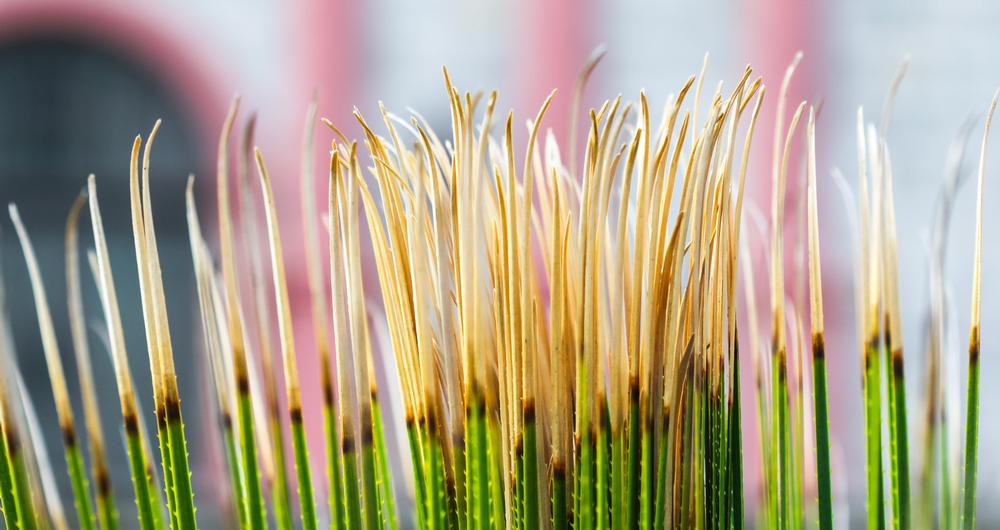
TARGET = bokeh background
x,y
79,79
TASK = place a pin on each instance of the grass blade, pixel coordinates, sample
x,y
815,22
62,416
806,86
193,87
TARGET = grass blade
x,y
153,344
106,513
253,503
385,490
319,313
972,398
897,389
307,502
147,500
183,509
363,363
348,401
335,471
532,493
16,496
477,468
74,459
560,517
25,511
275,441
632,471
211,327
8,503
781,425
821,418
736,443
618,479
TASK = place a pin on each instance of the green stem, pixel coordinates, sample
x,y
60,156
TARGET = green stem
x,y
894,471
107,513
373,517
475,464
687,468
519,486
140,479
881,507
454,479
253,501
147,458
633,452
560,519
352,484
781,429
971,435
79,482
155,499
769,514
584,512
603,466
184,495
416,455
645,477
735,460
436,509
22,489
902,444
307,503
873,438
798,453
618,480
7,501
496,492
454,491
482,507
714,486
723,456
530,467
660,498
279,492
166,457
334,469
472,483
822,428
699,459
736,439
233,465
384,476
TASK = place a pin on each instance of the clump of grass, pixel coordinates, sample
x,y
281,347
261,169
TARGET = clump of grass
x,y
561,336
106,513
143,481
253,503
60,393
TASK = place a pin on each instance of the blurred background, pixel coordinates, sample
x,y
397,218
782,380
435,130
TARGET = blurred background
x,y
78,80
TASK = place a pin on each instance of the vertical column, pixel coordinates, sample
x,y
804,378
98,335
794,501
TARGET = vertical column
x,y
553,38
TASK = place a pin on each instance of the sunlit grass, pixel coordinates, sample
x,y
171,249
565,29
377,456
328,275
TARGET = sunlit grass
x,y
562,337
